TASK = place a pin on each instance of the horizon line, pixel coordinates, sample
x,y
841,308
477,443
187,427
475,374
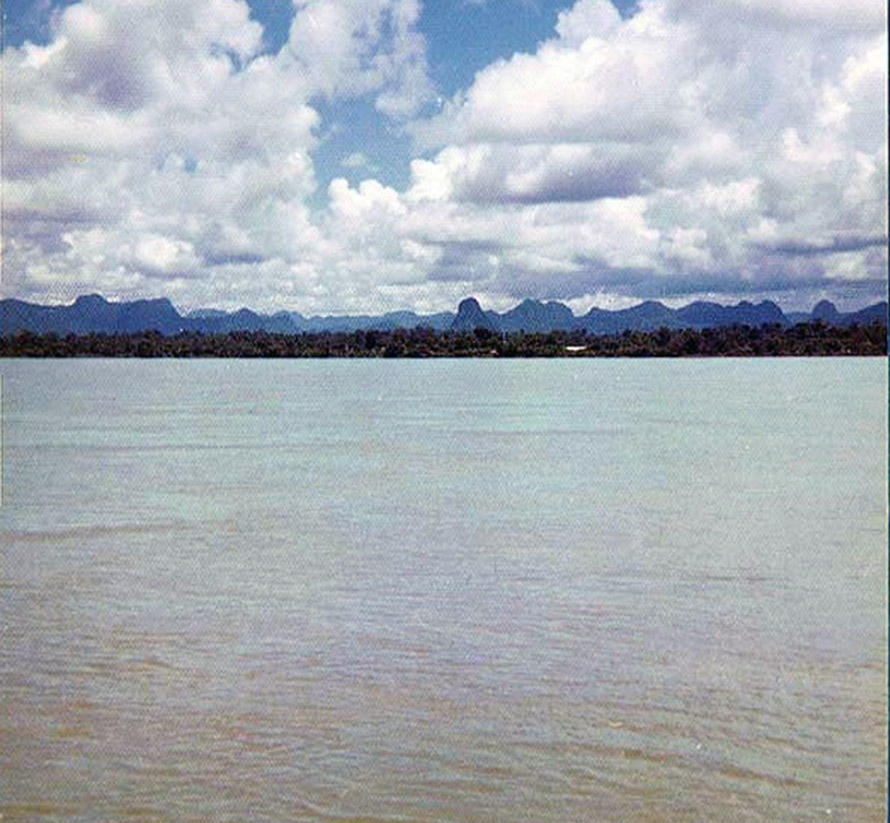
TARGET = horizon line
x,y
540,301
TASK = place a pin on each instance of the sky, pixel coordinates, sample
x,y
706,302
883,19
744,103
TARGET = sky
x,y
346,156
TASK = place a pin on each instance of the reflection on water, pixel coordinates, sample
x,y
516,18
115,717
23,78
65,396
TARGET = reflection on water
x,y
451,591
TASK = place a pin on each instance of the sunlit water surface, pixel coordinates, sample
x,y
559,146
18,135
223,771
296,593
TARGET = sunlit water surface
x,y
545,591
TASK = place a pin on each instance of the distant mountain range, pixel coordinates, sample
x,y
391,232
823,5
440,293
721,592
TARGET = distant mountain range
x,y
93,313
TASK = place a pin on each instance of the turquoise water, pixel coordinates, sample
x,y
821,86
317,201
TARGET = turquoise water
x,y
542,590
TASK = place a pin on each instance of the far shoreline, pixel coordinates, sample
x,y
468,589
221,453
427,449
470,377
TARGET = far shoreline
x,y
813,339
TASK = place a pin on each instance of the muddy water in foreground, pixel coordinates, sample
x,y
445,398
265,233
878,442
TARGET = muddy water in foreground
x,y
443,591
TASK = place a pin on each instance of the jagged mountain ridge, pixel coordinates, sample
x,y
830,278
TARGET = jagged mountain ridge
x,y
93,313
470,317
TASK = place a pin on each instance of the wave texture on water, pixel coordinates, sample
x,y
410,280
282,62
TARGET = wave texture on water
x,y
454,591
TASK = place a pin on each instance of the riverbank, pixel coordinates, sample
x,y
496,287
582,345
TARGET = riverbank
x,y
802,340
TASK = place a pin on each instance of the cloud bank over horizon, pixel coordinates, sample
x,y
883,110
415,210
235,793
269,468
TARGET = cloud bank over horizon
x,y
730,149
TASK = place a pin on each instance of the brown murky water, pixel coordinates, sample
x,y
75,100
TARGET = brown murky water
x,y
449,591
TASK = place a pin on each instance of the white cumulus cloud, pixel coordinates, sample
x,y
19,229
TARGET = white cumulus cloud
x,y
706,121
152,148
729,148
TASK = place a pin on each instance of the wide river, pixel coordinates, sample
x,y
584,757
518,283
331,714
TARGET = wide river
x,y
542,591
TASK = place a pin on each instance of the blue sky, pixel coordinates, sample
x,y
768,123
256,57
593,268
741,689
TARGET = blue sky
x,y
462,37
344,155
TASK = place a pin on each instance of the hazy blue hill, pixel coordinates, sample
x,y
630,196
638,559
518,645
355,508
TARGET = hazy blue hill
x,y
278,323
794,317
440,322
203,313
410,320
215,321
868,315
156,315
648,315
246,320
367,322
398,320
361,322
17,315
332,323
862,317
93,313
90,313
293,319
533,316
653,315
470,317
826,312
753,314
701,315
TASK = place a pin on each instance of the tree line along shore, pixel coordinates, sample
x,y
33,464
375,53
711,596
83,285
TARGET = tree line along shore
x,y
801,340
